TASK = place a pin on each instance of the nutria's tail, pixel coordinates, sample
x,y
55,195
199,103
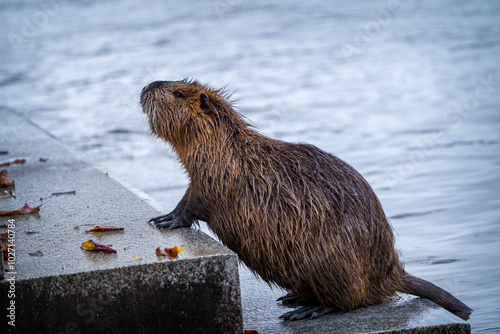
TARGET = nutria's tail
x,y
419,287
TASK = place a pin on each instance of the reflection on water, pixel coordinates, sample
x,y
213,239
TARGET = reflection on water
x,y
405,91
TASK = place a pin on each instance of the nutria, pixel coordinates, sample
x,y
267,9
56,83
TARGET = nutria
x,y
299,217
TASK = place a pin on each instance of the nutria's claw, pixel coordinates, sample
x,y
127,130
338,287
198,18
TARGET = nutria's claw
x,y
289,295
293,299
308,312
163,218
172,223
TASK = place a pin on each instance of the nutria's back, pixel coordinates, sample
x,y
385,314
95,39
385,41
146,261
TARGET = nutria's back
x,y
299,217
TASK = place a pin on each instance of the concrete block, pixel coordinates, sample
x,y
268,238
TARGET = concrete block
x,y
60,288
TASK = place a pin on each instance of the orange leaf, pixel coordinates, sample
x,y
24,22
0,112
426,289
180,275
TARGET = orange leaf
x,y
170,252
88,245
22,211
4,179
173,252
92,246
105,228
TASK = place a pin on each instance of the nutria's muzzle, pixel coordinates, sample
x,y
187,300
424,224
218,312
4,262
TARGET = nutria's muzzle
x,y
148,97
153,85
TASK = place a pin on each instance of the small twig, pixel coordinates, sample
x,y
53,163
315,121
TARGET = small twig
x,y
65,193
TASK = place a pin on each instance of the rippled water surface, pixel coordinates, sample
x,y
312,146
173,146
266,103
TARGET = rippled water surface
x,y
408,92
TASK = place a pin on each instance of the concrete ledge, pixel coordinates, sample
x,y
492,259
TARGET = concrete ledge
x,y
60,288
190,296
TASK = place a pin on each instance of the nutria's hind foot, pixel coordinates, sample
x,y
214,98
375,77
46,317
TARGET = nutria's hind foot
x,y
170,221
292,299
308,312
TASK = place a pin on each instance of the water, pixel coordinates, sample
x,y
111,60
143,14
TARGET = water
x,y
405,91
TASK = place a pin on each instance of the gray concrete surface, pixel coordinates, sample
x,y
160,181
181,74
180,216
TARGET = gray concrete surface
x,y
67,290
61,288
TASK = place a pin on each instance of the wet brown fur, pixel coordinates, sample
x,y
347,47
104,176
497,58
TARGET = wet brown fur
x,y
297,216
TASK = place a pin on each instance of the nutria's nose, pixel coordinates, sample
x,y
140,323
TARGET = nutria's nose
x,y
153,85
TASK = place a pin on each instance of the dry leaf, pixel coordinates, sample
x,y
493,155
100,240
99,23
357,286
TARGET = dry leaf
x,y
170,252
88,245
173,252
6,250
4,179
159,252
92,246
22,211
105,229
12,162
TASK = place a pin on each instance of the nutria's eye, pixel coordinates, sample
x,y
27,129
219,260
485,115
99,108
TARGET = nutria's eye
x,y
178,94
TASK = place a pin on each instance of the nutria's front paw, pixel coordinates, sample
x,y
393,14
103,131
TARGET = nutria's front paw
x,y
170,221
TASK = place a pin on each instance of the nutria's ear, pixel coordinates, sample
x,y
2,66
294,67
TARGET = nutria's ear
x,y
204,103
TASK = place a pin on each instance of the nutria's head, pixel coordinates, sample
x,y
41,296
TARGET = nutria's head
x,y
185,112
